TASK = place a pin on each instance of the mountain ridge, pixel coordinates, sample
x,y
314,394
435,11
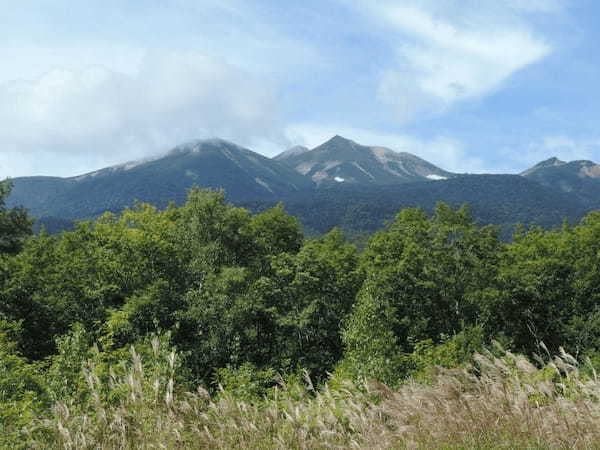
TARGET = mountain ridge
x,y
579,178
341,160
213,163
367,182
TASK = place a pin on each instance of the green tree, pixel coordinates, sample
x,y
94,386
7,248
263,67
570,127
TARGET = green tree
x,y
535,297
15,225
426,277
85,275
309,296
23,393
372,349
276,231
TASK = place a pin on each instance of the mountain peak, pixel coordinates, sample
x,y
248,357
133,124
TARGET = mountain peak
x,y
209,163
197,145
341,160
554,161
580,178
550,162
338,141
585,163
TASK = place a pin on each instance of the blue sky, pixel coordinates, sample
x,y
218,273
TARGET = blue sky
x,y
470,85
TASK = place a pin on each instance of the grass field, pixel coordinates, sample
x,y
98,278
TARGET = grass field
x,y
499,402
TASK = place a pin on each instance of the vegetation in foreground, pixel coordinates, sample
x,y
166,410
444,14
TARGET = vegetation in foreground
x,y
204,325
500,401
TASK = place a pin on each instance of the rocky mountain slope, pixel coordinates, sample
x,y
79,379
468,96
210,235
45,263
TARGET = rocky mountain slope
x,y
341,160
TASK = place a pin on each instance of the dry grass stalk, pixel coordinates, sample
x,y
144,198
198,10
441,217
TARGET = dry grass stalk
x,y
505,403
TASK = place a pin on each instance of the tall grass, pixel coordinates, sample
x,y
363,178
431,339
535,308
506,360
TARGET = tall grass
x,y
499,402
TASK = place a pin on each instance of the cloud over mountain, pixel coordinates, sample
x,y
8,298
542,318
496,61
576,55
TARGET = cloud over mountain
x,y
109,116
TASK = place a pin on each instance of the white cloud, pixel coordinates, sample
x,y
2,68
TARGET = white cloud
x,y
30,61
447,153
74,35
452,51
108,117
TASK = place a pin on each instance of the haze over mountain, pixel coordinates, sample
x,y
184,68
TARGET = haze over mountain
x,y
341,160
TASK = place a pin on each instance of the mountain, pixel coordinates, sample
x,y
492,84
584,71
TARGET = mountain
x,y
341,160
581,179
548,163
214,163
294,151
503,200
359,187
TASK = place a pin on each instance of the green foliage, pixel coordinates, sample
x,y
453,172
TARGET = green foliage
x,y
547,289
245,299
309,296
15,226
65,375
277,232
372,348
81,276
23,394
424,279
452,352
246,382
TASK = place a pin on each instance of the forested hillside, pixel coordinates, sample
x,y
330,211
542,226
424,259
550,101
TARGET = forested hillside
x,y
503,200
206,325
580,179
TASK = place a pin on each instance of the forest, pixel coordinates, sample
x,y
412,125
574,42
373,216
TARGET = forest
x,y
207,326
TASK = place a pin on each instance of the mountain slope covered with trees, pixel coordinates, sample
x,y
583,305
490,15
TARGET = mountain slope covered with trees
x,y
213,163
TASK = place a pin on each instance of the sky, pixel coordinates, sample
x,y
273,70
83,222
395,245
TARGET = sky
x,y
469,85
